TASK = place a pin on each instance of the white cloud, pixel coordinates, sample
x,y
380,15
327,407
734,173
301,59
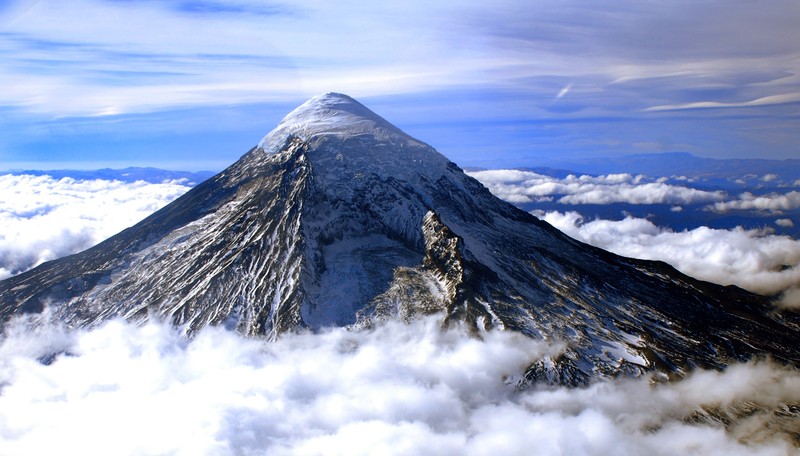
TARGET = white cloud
x,y
525,186
785,222
517,186
561,93
290,50
773,202
751,259
306,47
42,218
398,389
790,298
768,100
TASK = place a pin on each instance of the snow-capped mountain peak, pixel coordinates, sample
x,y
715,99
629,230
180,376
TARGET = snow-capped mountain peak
x,y
339,218
330,114
348,142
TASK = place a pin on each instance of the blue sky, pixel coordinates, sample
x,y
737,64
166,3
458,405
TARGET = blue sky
x,y
194,84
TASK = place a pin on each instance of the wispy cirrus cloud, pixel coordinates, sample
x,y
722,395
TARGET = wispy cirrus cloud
x,y
285,49
764,101
489,85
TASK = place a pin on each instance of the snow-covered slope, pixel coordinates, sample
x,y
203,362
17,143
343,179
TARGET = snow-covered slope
x,y
339,218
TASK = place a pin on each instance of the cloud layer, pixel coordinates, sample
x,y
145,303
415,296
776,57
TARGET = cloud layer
x,y
525,186
42,218
397,389
773,202
752,259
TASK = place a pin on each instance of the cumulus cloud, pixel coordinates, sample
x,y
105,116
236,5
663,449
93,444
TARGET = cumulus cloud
x,y
396,389
785,222
773,202
518,186
524,187
752,259
42,218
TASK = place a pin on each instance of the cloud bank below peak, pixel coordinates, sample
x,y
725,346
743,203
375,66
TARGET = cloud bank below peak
x,y
752,259
42,218
396,389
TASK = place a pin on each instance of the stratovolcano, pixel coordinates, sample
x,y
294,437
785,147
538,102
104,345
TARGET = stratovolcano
x,y
338,218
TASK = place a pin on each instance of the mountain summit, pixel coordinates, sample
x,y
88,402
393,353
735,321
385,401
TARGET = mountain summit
x,y
331,114
339,218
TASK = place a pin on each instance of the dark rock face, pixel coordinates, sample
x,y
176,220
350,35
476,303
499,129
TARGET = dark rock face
x,y
338,218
